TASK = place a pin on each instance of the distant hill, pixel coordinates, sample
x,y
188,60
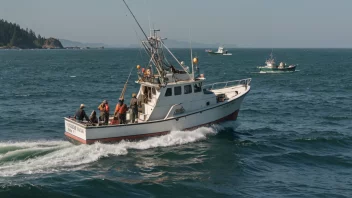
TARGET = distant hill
x,y
69,43
52,43
185,44
13,36
170,43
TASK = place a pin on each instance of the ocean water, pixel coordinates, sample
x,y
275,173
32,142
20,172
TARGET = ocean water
x,y
293,136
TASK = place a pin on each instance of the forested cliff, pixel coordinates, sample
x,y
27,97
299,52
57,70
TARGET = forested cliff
x,y
13,36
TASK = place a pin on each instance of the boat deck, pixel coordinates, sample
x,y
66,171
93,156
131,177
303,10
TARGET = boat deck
x,y
229,93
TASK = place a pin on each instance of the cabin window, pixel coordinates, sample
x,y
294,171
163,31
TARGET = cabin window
x,y
168,92
153,91
187,89
197,87
177,90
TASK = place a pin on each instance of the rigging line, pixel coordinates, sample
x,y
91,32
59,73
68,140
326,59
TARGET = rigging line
x,y
174,57
146,49
140,27
129,76
125,85
139,40
167,62
152,59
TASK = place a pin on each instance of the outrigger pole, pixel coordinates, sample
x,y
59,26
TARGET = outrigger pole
x,y
150,51
125,86
154,52
140,27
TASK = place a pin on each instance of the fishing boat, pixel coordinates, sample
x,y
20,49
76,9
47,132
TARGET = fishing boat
x,y
271,66
221,51
168,99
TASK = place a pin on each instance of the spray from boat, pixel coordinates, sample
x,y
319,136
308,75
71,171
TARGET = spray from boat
x,y
44,157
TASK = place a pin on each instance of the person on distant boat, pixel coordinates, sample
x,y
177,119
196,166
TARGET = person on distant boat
x,y
134,107
120,111
81,114
104,111
93,117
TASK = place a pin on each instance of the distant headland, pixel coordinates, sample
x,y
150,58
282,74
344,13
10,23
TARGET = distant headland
x,y
12,36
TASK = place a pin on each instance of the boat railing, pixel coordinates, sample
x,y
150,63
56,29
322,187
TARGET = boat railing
x,y
221,85
153,79
172,110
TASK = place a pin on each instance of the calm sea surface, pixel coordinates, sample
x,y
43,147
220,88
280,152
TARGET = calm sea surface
x,y
293,136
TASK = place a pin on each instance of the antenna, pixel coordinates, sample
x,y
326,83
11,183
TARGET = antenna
x,y
190,45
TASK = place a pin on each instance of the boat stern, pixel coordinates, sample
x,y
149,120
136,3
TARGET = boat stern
x,y
75,131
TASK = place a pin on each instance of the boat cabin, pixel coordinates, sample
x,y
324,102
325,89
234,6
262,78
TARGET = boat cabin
x,y
177,97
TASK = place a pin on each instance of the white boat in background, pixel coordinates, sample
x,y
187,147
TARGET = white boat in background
x,y
221,51
271,66
168,99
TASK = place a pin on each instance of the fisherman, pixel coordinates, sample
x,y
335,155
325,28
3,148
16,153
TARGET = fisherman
x,y
120,111
134,107
93,117
115,120
142,74
81,114
104,111
107,113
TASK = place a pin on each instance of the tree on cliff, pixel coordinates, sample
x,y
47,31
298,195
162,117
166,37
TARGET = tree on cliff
x,y
12,35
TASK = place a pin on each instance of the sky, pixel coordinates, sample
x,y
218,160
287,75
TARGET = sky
x,y
246,23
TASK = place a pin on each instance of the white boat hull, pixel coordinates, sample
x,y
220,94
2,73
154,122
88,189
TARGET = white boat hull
x,y
227,110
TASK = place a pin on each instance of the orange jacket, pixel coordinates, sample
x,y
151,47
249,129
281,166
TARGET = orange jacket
x,y
121,109
104,108
107,109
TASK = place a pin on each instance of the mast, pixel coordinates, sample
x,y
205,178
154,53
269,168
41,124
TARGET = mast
x,y
190,45
271,54
154,47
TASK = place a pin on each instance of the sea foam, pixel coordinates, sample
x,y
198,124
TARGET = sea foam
x,y
55,156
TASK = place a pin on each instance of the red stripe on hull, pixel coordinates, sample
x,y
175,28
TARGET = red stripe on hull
x,y
232,116
72,137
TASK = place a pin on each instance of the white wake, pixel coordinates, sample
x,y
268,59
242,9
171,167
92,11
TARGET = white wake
x,y
55,156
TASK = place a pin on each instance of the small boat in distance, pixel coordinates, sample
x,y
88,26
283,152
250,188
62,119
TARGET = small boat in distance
x,y
220,51
271,66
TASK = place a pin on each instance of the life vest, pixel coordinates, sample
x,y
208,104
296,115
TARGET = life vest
x,y
121,109
107,108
